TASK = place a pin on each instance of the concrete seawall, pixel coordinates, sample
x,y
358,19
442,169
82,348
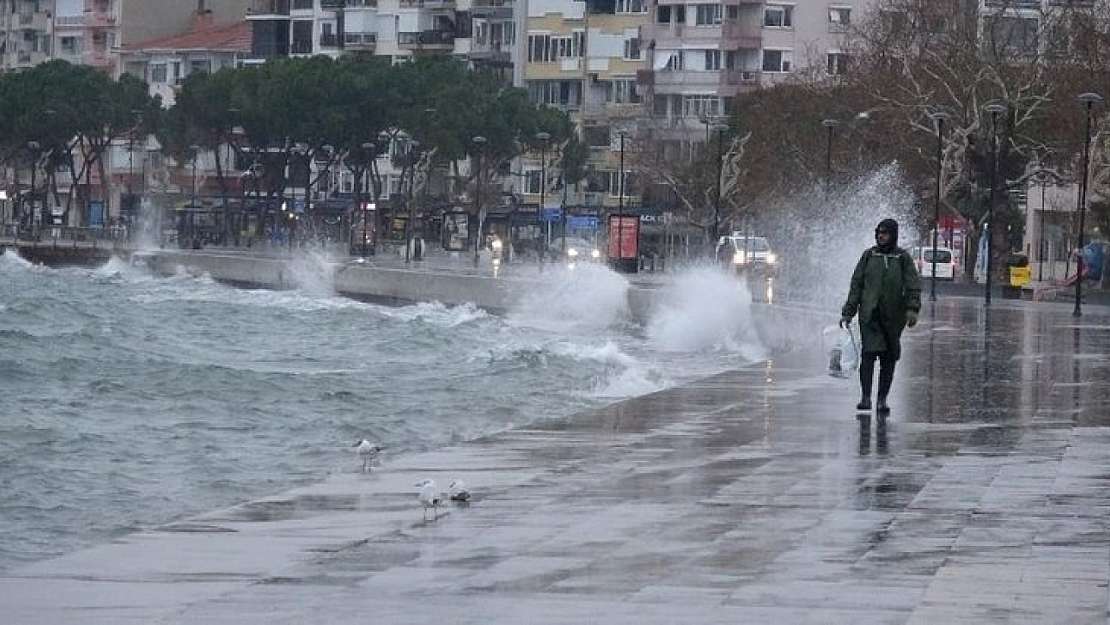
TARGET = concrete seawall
x,y
781,327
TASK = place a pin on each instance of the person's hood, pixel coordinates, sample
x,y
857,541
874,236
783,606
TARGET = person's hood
x,y
892,226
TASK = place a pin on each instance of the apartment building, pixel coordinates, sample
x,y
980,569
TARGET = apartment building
x,y
583,57
164,63
704,55
26,28
91,32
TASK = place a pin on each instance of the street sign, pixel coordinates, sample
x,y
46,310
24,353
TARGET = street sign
x,y
582,223
551,214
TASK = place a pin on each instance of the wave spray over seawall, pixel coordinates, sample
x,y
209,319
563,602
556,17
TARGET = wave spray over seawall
x,y
135,400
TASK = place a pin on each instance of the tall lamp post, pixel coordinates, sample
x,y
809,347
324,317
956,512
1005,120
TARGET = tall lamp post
x,y
33,146
368,150
995,109
479,143
829,125
545,229
720,128
1088,100
939,117
622,133
195,149
410,227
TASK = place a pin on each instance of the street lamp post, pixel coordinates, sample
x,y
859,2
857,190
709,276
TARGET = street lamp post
x,y
717,196
939,117
829,125
368,150
410,227
195,149
995,109
479,143
620,200
545,229
33,146
1088,100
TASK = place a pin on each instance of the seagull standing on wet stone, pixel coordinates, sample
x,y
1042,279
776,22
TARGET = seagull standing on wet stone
x,y
429,498
458,491
367,451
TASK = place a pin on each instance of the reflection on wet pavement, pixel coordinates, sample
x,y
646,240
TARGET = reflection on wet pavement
x,y
758,495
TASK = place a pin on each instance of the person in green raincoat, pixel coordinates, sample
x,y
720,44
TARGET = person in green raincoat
x,y
886,292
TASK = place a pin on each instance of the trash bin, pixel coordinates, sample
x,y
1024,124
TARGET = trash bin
x,y
1020,272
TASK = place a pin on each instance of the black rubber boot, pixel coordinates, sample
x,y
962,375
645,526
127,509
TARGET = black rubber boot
x,y
881,406
864,404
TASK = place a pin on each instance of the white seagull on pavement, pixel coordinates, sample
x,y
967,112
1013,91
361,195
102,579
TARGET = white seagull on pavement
x,y
458,491
429,498
367,451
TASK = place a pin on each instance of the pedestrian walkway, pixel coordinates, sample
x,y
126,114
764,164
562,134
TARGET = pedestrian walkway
x,y
755,496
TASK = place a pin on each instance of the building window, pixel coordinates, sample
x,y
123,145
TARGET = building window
x,y
708,14
699,106
733,12
837,63
200,66
551,48
632,6
777,60
565,93
158,73
300,5
632,49
676,63
69,45
622,92
712,60
532,182
597,136
612,182
778,16
840,18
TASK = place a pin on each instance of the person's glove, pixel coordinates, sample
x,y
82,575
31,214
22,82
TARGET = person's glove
x,y
911,318
845,322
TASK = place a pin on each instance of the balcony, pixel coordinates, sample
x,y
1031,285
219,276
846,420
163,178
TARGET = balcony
x,y
495,52
426,4
426,40
497,9
99,19
268,9
301,46
360,41
69,21
34,21
329,40
742,35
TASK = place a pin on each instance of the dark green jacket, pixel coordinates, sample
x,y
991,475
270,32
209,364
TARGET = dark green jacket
x,y
884,288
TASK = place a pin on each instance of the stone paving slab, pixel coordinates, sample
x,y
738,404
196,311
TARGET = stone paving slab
x,y
757,496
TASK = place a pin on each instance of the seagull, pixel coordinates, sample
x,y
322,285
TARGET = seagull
x,y
458,491
367,451
429,498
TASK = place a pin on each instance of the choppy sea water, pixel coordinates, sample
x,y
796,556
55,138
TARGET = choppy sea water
x,y
129,400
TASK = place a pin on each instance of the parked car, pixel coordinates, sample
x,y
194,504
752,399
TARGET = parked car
x,y
946,262
748,254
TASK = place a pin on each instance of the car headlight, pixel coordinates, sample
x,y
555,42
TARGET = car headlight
x,y
771,258
496,245
595,254
739,258
573,253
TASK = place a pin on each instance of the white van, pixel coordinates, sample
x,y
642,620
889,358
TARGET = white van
x,y
946,262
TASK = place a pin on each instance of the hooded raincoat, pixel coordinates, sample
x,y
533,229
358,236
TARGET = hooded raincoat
x,y
885,287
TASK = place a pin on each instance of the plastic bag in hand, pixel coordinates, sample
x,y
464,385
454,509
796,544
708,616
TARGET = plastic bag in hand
x,y
844,356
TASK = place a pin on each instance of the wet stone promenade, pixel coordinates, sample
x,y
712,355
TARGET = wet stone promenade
x,y
756,496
